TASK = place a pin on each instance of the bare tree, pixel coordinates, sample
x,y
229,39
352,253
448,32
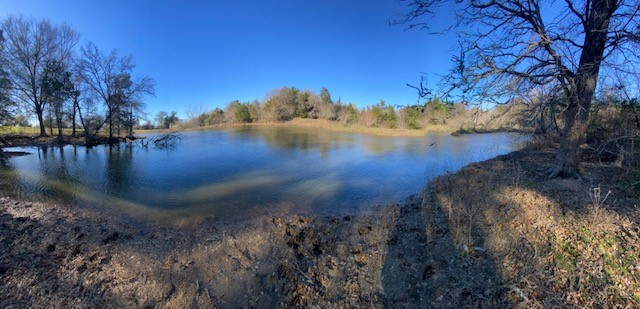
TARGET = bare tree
x,y
515,45
57,88
30,46
128,99
75,97
109,78
194,113
6,103
91,118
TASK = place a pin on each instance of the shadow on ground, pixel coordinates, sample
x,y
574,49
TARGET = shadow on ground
x,y
495,234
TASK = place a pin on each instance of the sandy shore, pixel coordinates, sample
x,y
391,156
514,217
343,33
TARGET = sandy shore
x,y
495,234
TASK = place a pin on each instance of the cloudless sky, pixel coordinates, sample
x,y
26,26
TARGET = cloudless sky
x,y
212,52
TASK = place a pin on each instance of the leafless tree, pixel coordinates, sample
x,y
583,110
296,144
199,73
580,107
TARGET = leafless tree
x,y
30,45
6,103
194,111
90,116
516,45
108,77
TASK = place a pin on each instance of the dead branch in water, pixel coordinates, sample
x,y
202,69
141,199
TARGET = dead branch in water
x,y
162,140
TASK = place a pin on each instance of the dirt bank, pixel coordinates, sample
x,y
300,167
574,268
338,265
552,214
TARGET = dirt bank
x,y
21,140
496,234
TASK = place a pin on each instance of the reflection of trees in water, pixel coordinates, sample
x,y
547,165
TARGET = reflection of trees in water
x,y
9,178
301,138
51,179
68,174
378,145
119,166
326,141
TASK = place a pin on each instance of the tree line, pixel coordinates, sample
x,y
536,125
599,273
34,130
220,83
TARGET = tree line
x,y
286,103
46,73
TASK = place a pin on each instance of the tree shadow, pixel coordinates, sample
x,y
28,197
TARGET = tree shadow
x,y
432,262
500,234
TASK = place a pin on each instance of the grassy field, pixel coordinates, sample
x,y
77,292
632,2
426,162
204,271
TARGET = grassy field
x,y
8,130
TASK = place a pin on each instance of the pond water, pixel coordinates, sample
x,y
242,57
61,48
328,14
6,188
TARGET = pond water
x,y
247,170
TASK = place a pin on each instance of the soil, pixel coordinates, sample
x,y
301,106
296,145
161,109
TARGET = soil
x,y
18,140
495,234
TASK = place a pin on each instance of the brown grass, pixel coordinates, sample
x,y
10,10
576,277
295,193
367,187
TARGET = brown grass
x,y
548,242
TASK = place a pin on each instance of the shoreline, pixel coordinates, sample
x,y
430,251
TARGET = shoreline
x,y
338,127
26,140
495,233
22,140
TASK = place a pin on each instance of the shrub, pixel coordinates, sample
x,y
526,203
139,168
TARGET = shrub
x,y
411,117
385,115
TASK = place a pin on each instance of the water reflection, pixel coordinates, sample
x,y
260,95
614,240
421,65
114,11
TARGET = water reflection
x,y
245,170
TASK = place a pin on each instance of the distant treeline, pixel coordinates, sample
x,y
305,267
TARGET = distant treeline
x,y
284,104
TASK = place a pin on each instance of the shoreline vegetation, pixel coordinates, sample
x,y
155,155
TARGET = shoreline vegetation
x,y
15,136
340,127
292,106
497,233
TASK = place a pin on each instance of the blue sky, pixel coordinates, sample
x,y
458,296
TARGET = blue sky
x,y
213,52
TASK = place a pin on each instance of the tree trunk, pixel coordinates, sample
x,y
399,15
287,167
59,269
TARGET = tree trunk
x,y
131,121
110,125
73,116
59,125
39,112
580,88
568,156
3,142
50,122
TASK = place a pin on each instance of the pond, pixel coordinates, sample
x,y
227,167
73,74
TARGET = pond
x,y
246,170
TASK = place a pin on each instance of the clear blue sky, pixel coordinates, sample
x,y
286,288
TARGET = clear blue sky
x,y
213,52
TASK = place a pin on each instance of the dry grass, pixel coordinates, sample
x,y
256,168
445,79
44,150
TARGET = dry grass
x,y
33,131
320,124
6,130
550,243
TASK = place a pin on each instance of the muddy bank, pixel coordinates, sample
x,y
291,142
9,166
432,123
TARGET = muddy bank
x,y
19,140
52,255
495,234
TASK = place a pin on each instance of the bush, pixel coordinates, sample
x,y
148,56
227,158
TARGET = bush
x,y
215,117
346,113
411,117
242,113
385,115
